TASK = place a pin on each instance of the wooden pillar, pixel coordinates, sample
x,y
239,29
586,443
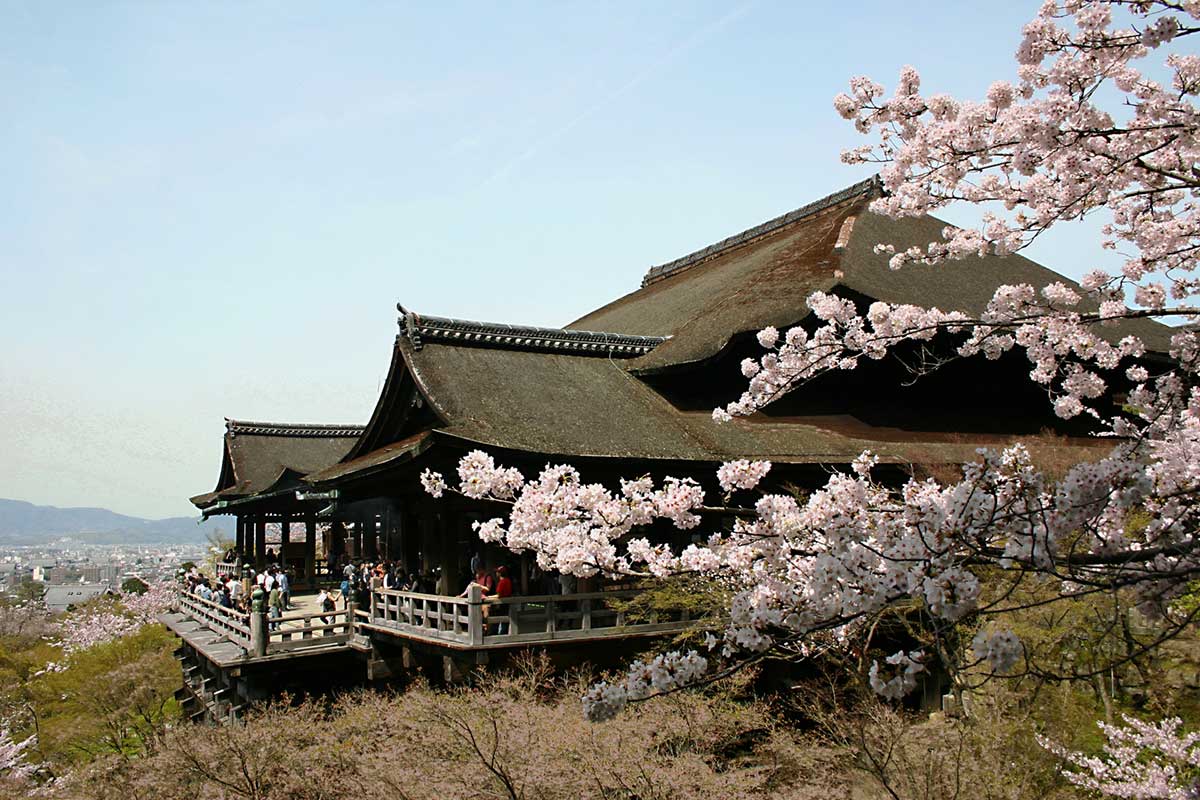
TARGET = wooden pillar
x,y
386,534
371,538
446,533
239,544
337,539
258,633
285,536
410,541
260,543
395,535
475,614
310,550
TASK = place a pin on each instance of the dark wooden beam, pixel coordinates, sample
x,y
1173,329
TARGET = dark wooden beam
x,y
310,549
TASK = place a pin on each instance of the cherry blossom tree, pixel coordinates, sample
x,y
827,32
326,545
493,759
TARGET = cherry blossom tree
x,y
1141,760
1084,130
12,756
101,623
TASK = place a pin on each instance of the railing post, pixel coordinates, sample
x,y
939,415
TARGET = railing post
x,y
374,605
551,622
258,633
258,622
350,618
475,613
585,614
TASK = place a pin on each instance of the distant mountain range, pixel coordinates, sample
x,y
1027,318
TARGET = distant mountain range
x,y
25,523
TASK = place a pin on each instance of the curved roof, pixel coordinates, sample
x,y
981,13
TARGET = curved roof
x,y
764,275
578,391
520,394
259,456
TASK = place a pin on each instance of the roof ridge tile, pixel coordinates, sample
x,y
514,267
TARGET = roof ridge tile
x,y
420,328
304,430
657,273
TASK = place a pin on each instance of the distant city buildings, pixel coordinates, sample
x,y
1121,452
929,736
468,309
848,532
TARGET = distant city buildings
x,y
73,573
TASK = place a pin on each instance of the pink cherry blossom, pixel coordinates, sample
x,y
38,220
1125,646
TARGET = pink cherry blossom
x,y
1141,760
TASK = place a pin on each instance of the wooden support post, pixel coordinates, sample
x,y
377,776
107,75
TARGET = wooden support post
x,y
371,538
475,628
310,550
258,633
260,543
393,550
337,543
429,555
446,534
239,544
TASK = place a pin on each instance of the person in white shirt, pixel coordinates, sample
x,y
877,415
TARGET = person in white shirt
x,y
324,603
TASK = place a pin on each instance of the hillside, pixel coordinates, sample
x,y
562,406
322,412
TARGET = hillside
x,y
26,523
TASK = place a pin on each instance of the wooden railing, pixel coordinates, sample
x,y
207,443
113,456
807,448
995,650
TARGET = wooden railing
x,y
475,622
228,621
285,634
263,635
430,616
227,570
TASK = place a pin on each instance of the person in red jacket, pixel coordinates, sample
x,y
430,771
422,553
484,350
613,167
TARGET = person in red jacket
x,y
504,588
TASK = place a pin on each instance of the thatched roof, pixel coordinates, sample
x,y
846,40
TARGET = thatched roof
x,y
763,276
261,456
520,394
583,391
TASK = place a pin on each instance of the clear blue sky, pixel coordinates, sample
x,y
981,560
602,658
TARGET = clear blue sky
x,y
211,209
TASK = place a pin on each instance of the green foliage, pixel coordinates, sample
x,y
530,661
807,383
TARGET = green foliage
x,y
112,698
28,592
697,595
134,586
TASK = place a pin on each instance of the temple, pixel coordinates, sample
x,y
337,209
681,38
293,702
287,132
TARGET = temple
x,y
624,391
262,469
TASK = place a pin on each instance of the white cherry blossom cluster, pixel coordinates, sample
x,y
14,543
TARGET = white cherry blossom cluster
x,y
573,527
1000,650
800,570
1042,148
433,483
1140,760
898,677
12,756
742,474
662,674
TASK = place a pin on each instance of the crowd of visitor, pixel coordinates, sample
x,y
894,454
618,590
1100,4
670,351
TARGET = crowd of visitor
x,y
357,580
235,592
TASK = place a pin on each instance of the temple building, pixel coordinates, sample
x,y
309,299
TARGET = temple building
x,y
627,390
262,467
